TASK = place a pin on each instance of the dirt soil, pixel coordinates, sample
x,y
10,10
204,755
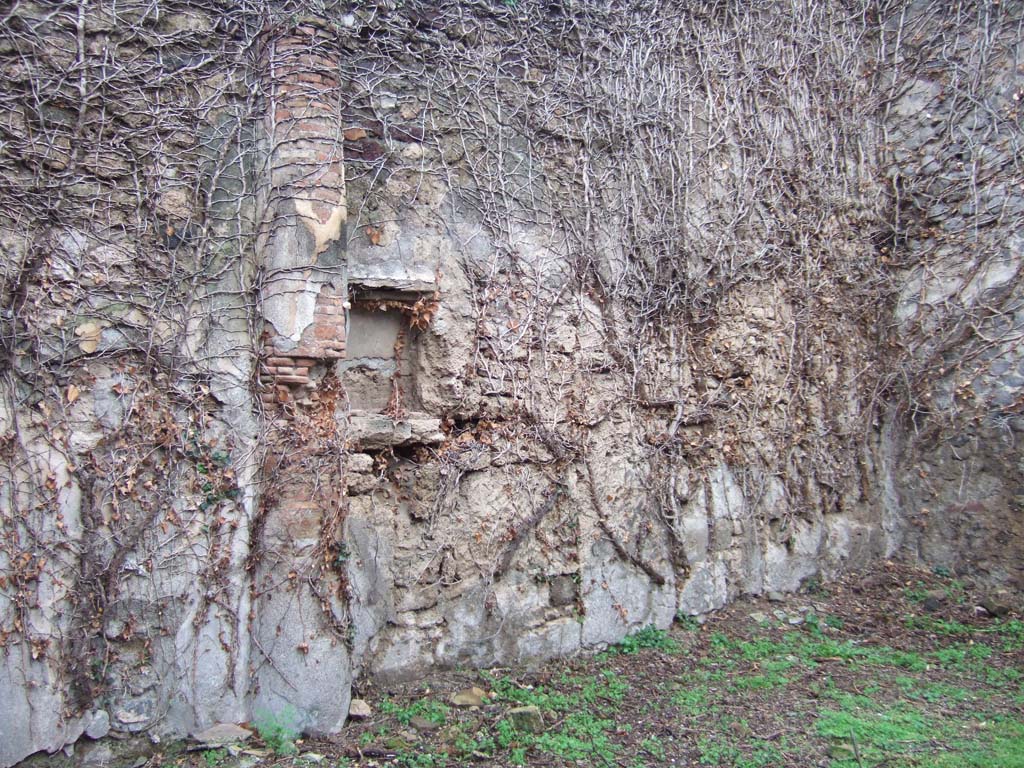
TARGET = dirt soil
x,y
897,667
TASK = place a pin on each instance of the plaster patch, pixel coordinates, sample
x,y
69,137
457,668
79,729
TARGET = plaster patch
x,y
324,232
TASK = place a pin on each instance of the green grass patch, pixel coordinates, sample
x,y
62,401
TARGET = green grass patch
x,y
986,744
571,692
279,730
649,638
872,732
652,745
506,690
917,593
583,737
963,656
771,676
950,696
937,626
931,692
214,757
433,711
867,734
688,623
1012,633
692,702
609,686
720,750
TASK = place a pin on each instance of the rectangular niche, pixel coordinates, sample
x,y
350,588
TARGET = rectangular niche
x,y
375,364
379,370
371,370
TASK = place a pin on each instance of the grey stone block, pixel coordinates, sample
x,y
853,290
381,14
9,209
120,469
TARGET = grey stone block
x,y
98,724
1003,398
562,590
999,367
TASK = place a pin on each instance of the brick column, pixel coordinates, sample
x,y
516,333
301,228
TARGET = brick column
x,y
300,603
303,224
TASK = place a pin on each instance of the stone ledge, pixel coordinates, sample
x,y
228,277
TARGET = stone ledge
x,y
370,431
391,285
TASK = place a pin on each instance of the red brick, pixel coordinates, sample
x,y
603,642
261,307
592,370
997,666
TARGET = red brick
x,y
293,379
282,360
309,31
314,125
319,106
293,99
297,511
325,332
311,60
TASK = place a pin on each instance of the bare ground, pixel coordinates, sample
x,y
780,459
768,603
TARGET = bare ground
x,y
898,667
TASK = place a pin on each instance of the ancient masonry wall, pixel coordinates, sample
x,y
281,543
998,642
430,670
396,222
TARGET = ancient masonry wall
x,y
506,462
960,312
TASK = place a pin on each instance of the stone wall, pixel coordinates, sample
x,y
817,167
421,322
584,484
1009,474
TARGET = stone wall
x,y
385,355
960,312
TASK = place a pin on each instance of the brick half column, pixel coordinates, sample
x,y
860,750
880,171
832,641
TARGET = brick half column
x,y
304,295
